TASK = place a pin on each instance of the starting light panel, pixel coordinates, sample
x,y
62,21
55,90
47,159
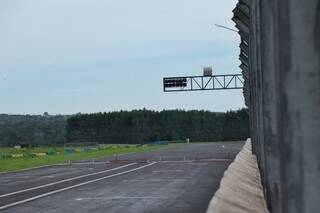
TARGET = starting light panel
x,y
175,82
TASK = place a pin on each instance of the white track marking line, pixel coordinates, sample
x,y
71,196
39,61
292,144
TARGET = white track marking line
x,y
119,197
89,163
65,180
32,168
74,186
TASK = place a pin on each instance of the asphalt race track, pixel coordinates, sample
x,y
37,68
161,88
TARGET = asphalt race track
x,y
181,179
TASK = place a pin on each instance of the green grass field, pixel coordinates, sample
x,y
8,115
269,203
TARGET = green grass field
x,y
55,155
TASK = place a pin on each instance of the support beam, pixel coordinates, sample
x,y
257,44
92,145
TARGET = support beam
x,y
200,83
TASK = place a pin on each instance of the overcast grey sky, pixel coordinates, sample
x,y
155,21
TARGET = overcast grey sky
x,y
69,56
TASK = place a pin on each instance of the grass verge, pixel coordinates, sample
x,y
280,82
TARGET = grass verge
x,y
63,157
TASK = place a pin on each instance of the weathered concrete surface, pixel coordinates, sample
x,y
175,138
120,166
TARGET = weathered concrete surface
x,y
284,82
240,188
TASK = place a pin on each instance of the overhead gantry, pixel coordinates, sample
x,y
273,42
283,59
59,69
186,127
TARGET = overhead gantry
x,y
205,82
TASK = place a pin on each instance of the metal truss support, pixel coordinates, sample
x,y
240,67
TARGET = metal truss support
x,y
199,83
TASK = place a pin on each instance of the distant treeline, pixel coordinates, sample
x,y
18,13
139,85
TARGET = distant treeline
x,y
137,126
140,126
32,129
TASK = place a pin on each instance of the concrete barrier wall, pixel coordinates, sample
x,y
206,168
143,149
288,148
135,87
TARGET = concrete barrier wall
x,y
284,98
240,188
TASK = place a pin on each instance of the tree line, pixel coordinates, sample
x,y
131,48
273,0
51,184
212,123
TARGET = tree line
x,y
142,126
32,129
124,127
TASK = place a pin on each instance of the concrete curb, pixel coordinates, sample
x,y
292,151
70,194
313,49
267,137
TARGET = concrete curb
x,y
240,188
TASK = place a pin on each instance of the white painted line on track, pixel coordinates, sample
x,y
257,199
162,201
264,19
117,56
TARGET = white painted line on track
x,y
65,180
119,197
89,163
71,187
32,168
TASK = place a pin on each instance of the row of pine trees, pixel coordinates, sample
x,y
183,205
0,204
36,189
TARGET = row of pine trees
x,y
124,127
142,126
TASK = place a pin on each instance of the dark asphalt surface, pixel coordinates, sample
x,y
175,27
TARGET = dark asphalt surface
x,y
183,181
